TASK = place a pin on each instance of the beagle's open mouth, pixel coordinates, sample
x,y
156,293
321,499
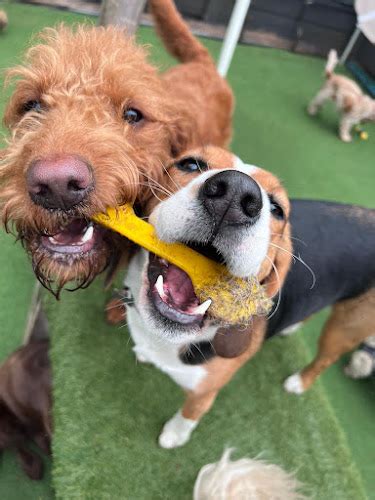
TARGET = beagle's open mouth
x,y
172,293
77,237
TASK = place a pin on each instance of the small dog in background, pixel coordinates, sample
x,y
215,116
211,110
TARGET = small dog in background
x,y
351,102
246,478
25,405
3,20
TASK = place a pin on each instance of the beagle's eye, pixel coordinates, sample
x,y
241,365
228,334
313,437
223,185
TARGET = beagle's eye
x,y
32,105
191,165
276,209
132,115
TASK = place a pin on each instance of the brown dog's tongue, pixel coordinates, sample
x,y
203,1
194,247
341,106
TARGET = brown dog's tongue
x,y
230,342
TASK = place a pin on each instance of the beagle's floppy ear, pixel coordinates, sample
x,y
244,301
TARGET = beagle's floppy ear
x,y
230,342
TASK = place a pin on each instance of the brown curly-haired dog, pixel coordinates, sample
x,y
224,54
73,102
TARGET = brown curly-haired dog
x,y
92,124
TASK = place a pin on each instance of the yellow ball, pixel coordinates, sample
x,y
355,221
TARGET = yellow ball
x,y
364,136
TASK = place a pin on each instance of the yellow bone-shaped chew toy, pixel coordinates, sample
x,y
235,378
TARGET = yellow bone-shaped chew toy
x,y
234,300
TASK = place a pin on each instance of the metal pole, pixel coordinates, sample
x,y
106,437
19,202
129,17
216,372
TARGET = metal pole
x,y
350,45
232,35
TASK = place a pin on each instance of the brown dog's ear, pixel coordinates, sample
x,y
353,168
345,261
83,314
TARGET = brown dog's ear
x,y
182,132
179,140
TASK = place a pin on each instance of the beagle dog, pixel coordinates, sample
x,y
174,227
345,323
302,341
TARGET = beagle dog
x,y
240,215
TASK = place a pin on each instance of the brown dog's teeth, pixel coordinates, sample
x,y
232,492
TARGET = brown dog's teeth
x,y
88,234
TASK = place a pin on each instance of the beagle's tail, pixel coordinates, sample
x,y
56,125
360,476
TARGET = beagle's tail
x,y
175,34
332,61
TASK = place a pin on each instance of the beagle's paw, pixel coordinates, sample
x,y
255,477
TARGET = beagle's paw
x,y
361,365
312,110
176,432
294,384
140,356
346,137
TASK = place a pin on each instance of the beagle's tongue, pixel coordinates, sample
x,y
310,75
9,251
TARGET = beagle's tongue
x,y
179,287
172,293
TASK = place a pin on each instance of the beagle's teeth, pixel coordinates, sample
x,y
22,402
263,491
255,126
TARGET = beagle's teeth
x,y
202,308
159,285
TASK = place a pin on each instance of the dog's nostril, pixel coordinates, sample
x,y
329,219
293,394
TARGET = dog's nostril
x,y
251,205
215,189
74,185
42,190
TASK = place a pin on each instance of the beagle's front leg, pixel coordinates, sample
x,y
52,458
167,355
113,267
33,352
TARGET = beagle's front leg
x,y
177,431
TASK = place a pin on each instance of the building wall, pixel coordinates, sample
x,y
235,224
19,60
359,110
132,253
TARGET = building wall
x,y
304,26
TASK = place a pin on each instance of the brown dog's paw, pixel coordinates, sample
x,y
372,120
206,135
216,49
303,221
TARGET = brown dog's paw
x,y
115,311
31,463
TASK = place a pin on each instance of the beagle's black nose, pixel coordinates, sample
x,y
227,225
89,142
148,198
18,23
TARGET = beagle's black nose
x,y
231,198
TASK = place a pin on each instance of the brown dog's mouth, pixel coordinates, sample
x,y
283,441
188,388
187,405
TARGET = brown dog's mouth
x,y
75,253
77,237
172,293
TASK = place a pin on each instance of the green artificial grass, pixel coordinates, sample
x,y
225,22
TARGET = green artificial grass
x,y
109,410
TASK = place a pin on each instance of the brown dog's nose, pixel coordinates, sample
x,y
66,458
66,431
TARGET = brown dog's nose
x,y
60,182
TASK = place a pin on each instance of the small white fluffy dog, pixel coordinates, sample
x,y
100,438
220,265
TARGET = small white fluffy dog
x,y
245,479
354,106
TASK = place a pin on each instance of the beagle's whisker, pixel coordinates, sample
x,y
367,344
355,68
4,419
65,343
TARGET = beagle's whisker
x,y
156,183
177,185
157,186
284,236
115,306
201,352
278,288
299,259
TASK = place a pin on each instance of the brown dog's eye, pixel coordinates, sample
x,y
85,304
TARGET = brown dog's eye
x,y
32,105
191,165
276,209
132,115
